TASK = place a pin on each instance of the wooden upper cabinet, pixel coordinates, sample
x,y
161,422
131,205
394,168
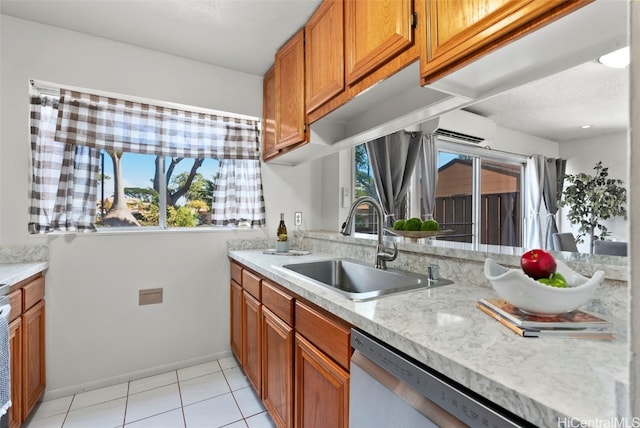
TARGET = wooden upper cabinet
x,y
290,107
324,53
375,33
459,32
269,114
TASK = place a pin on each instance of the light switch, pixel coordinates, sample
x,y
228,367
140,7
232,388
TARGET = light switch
x,y
346,197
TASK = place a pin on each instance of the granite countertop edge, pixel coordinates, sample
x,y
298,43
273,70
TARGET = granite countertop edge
x,y
483,344
13,273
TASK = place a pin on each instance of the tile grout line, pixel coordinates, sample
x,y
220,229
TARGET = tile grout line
x,y
126,405
235,400
66,414
184,418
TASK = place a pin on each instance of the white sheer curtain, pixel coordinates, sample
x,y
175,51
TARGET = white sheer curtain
x,y
535,178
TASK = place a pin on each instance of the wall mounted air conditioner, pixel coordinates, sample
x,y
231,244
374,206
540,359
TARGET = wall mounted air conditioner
x,y
462,126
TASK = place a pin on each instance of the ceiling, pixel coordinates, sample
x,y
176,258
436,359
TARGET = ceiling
x,y
244,35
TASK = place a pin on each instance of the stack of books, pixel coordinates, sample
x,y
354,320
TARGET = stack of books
x,y
575,325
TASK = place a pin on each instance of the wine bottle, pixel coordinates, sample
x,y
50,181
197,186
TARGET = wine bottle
x,y
282,229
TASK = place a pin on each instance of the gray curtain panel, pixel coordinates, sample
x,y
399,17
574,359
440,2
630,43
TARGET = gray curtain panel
x,y
393,158
508,228
554,170
428,174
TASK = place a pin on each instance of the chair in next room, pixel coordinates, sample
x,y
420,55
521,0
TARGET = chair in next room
x,y
564,242
610,248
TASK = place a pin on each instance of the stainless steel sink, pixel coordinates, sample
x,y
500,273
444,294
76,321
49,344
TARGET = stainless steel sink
x,y
359,281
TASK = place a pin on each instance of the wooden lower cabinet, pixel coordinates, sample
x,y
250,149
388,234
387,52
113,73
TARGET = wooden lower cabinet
x,y
277,368
33,370
15,345
27,347
295,355
236,319
322,389
252,341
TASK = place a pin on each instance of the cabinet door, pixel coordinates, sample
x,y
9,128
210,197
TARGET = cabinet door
x,y
324,53
376,32
277,368
15,347
462,31
251,341
236,319
322,389
269,114
33,357
290,110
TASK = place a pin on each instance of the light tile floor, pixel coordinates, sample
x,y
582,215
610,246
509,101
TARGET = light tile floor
x,y
210,395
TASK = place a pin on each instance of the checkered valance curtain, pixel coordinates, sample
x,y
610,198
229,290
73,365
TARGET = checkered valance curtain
x,y
68,132
113,124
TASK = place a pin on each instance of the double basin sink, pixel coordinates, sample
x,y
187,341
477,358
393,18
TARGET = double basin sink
x,y
359,281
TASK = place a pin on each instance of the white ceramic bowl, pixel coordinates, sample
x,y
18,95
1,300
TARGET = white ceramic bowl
x,y
530,296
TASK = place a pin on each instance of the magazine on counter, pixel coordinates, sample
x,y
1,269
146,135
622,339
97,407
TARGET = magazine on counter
x,y
572,332
573,319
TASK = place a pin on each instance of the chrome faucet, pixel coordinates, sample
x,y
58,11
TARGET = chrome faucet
x,y
382,255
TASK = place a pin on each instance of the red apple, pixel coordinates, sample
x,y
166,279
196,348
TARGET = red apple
x,y
538,264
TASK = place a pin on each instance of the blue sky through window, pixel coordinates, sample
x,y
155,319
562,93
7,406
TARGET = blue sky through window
x,y
138,171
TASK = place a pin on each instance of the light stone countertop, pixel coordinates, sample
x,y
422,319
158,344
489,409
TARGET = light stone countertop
x,y
539,379
12,273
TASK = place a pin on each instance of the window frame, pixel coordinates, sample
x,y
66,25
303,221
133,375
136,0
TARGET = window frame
x,y
53,89
477,152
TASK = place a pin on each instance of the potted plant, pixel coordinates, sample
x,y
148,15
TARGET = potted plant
x,y
592,199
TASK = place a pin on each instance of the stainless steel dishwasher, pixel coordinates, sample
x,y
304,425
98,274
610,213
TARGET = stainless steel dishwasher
x,y
391,390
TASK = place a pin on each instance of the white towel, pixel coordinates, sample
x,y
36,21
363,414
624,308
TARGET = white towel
x,y
5,371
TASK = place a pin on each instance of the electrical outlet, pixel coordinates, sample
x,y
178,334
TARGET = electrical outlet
x,y
298,219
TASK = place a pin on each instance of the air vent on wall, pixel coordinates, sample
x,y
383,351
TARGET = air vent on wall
x,y
458,136
462,126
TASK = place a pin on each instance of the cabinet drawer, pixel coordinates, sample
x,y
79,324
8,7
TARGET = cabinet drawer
x,y
251,283
33,292
325,332
278,302
236,272
15,300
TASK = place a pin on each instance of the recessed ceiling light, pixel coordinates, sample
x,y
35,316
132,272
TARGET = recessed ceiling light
x,y
585,126
616,59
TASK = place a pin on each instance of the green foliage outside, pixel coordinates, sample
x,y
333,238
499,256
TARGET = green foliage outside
x,y
189,195
592,199
365,185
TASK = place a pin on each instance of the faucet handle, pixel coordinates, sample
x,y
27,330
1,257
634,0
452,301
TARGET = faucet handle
x,y
389,257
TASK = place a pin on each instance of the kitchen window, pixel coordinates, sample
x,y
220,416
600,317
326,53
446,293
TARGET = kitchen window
x,y
479,194
100,161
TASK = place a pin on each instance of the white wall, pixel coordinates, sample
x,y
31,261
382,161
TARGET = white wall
x,y
582,156
96,332
524,144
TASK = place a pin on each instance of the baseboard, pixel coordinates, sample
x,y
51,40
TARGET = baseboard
x,y
126,377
